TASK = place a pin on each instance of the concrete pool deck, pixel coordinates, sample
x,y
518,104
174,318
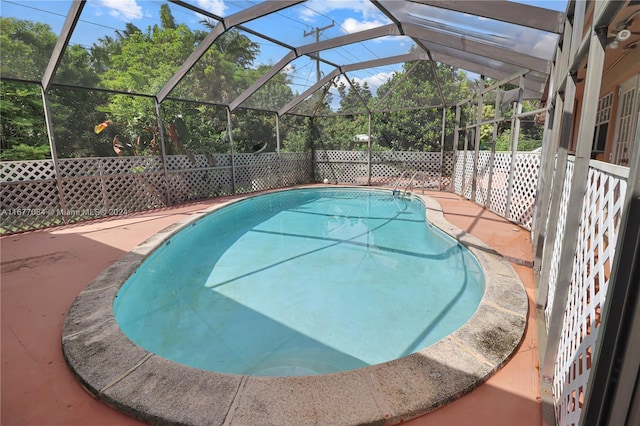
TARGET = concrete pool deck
x,y
43,271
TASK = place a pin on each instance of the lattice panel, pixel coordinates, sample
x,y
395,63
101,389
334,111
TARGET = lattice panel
x,y
598,233
342,172
467,174
130,193
386,167
342,166
256,177
295,168
447,171
458,177
500,182
385,174
258,172
11,171
339,156
482,177
523,194
196,185
557,246
199,161
83,198
123,165
29,205
99,166
79,167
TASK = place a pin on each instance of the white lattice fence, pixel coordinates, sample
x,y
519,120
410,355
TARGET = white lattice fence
x,y
523,192
447,171
98,187
482,177
559,239
107,186
29,197
468,176
464,173
458,175
196,177
500,183
342,166
597,236
386,167
295,168
191,185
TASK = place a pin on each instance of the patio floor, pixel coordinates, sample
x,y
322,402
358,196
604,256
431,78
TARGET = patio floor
x,y
43,271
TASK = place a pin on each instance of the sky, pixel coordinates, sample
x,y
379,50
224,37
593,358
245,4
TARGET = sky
x,y
294,26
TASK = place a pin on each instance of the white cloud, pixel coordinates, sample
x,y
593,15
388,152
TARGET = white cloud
x,y
289,69
378,80
126,10
545,46
217,7
351,25
373,81
309,11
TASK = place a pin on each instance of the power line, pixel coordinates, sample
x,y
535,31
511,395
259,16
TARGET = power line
x,y
317,32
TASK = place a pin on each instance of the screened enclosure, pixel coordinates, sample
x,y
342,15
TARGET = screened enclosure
x,y
148,104
109,108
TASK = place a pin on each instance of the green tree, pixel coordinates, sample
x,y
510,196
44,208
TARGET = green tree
x,y
166,17
418,127
25,48
24,134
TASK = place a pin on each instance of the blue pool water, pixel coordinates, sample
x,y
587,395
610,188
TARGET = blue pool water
x,y
300,282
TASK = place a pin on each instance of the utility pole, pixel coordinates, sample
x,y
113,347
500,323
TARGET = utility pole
x,y
317,32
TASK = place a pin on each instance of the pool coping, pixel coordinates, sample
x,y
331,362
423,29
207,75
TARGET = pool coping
x,y
148,387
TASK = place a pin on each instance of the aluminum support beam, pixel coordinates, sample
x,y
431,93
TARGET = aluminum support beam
x,y
461,43
425,36
369,151
604,16
309,49
465,185
586,131
444,125
510,12
548,168
221,27
357,94
300,98
54,151
418,42
163,151
370,34
492,156
351,67
573,32
515,135
530,84
476,143
456,141
62,42
263,79
233,165
277,133
434,69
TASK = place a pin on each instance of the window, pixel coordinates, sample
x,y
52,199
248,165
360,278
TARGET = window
x,y
628,108
602,123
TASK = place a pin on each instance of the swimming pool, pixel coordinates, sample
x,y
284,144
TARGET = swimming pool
x,y
309,281
121,373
